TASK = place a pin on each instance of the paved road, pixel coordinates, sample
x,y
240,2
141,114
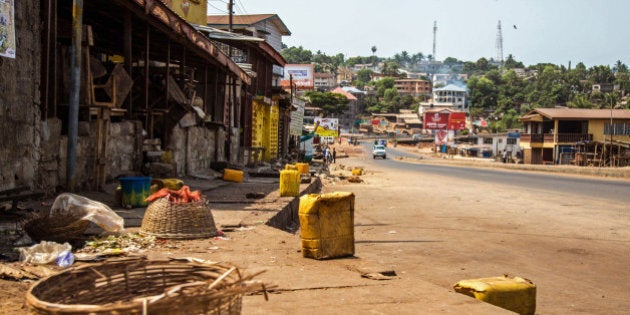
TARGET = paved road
x,y
587,187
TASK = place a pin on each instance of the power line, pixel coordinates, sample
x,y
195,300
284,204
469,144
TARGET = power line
x,y
220,10
242,8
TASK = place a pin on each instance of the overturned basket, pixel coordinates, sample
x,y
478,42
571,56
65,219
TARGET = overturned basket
x,y
58,228
166,219
140,286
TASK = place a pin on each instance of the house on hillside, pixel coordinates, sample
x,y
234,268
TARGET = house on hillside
x,y
448,97
324,81
413,87
349,116
594,137
267,26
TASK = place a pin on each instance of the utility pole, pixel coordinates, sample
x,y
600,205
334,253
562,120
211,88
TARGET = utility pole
x,y
434,38
231,13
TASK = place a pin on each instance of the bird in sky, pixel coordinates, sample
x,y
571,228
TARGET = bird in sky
x,y
514,26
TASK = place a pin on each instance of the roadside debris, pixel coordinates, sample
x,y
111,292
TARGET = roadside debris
x,y
382,275
115,245
42,253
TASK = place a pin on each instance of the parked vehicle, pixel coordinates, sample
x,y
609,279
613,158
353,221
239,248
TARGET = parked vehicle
x,y
379,151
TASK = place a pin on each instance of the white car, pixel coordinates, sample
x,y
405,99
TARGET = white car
x,y
379,151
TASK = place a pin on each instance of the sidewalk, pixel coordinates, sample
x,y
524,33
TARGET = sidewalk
x,y
263,234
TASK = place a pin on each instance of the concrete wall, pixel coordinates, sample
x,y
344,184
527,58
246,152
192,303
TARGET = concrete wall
x,y
20,102
124,149
193,149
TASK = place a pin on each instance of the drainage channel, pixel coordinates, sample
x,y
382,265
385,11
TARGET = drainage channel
x,y
287,219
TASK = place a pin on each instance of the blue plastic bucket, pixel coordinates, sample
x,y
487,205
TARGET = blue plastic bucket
x,y
135,190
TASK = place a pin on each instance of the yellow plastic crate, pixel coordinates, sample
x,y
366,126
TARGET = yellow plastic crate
x,y
303,168
357,171
289,183
327,225
515,294
231,175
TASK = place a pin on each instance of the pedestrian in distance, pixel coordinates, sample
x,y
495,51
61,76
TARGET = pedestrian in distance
x,y
504,156
334,155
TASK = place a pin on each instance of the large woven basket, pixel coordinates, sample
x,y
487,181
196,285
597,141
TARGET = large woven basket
x,y
59,228
140,286
165,219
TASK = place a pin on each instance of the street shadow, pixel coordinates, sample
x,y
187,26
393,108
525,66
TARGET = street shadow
x,y
395,241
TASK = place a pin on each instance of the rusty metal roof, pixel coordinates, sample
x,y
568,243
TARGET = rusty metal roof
x,y
577,113
159,11
241,21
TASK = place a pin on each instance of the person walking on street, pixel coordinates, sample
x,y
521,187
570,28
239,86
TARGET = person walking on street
x,y
334,155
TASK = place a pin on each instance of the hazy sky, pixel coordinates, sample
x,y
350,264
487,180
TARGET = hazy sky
x,y
556,31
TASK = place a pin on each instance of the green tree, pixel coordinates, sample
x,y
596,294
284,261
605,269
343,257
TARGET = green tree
x,y
297,55
510,63
365,75
580,101
330,103
390,68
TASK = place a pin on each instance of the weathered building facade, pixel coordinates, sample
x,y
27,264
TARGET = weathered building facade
x,y
155,96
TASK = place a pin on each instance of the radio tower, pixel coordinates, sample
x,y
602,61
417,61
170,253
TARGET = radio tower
x,y
434,36
499,44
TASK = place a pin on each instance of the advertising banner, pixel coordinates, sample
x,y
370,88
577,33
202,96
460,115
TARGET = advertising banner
x,y
7,29
297,118
436,120
300,74
327,127
457,121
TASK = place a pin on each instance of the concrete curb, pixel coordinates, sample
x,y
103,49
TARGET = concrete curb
x,y
288,219
617,172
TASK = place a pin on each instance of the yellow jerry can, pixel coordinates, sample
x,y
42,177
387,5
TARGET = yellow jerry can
x,y
357,171
303,168
289,183
515,294
327,225
291,167
231,175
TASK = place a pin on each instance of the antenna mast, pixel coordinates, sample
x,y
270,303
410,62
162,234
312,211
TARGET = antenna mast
x,y
499,44
434,37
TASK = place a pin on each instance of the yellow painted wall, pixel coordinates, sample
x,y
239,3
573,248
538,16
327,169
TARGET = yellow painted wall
x,y
193,11
596,128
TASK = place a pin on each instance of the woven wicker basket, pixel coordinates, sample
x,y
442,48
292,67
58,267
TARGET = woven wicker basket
x,y
140,286
165,219
59,228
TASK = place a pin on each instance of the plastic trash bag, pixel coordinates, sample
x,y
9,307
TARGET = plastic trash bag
x,y
87,209
43,253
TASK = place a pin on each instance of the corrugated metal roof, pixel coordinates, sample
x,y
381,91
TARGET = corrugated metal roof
x,y
579,113
451,87
344,93
247,20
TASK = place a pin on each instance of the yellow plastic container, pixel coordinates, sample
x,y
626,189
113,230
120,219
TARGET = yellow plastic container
x,y
357,171
291,167
303,168
231,175
289,183
327,225
515,294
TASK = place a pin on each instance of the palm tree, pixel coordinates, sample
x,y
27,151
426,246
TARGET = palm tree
x,y
405,58
373,56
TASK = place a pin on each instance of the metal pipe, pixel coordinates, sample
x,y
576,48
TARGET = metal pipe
x,y
75,88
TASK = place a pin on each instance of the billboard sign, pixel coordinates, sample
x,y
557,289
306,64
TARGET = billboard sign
x,y
457,121
444,120
327,127
436,120
301,75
